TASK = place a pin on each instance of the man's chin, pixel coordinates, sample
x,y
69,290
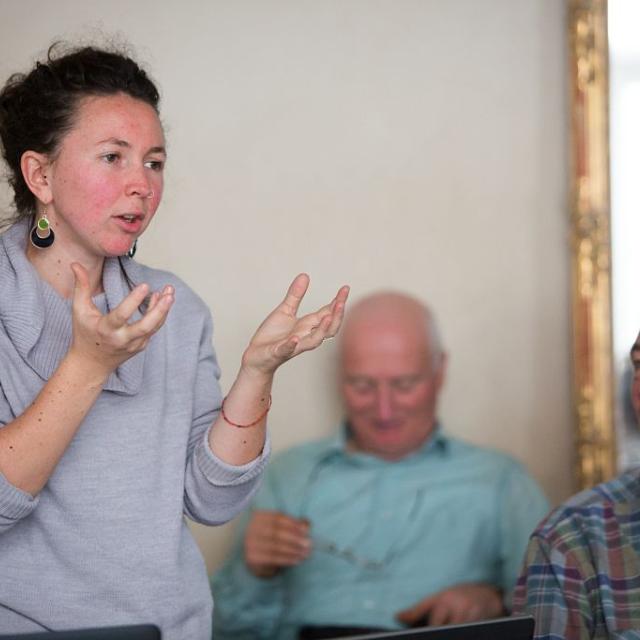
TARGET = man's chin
x,y
392,446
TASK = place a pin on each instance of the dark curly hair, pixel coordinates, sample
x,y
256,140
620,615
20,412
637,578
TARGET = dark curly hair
x,y
38,108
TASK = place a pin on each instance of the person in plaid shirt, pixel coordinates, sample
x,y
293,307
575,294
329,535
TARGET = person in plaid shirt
x,y
581,575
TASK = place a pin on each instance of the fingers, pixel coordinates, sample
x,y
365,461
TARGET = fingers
x,y
279,529
153,300
121,314
443,613
285,550
155,315
82,288
295,293
282,335
316,336
461,603
417,612
343,294
337,310
324,323
274,540
451,613
435,610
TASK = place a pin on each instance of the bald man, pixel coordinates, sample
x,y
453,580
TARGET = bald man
x,y
389,524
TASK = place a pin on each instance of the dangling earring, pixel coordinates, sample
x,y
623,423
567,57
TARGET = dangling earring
x,y
133,248
42,235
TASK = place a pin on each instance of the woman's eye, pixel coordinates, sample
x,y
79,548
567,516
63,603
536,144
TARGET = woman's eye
x,y
155,165
110,158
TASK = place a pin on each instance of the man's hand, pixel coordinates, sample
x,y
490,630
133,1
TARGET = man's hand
x,y
462,603
274,541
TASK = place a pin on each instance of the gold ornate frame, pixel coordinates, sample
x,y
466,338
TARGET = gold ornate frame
x,y
590,242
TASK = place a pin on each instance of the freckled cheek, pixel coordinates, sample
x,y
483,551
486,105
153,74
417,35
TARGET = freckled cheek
x,y
105,193
94,197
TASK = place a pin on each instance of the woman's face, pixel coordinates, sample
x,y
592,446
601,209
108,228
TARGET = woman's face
x,y
106,179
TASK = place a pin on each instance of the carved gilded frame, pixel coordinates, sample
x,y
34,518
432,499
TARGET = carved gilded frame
x,y
590,242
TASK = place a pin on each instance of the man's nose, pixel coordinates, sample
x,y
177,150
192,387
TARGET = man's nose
x,y
384,403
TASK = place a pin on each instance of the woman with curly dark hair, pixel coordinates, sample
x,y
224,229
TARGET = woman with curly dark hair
x,y
112,423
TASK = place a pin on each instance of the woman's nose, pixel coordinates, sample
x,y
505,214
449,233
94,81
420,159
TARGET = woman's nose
x,y
139,185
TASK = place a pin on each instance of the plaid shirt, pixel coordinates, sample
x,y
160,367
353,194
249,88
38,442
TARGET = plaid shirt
x,y
581,577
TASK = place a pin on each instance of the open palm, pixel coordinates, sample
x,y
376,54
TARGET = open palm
x,y
282,335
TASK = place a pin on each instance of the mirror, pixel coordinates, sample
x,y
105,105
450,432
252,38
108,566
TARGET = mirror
x,y
605,96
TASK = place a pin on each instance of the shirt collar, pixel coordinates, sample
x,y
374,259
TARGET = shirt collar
x,y
436,445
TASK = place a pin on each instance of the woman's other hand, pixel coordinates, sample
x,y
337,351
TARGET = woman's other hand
x,y
106,341
283,335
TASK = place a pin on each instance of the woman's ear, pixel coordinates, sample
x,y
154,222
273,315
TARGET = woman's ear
x,y
35,167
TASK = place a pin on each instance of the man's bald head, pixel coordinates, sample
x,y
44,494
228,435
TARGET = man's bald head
x,y
393,309
392,372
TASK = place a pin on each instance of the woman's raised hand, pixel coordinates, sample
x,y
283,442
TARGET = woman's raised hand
x,y
106,341
283,335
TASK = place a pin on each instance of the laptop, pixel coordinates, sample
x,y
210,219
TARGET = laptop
x,y
126,632
514,628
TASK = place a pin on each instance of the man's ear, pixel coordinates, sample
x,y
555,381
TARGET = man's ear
x,y
35,170
442,369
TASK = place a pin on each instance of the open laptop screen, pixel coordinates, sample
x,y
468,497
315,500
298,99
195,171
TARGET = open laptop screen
x,y
127,632
515,628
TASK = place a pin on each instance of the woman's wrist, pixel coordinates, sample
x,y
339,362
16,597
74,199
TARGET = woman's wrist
x,y
255,376
249,399
91,370
246,425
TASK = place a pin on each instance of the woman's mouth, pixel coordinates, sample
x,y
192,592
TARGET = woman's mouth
x,y
130,222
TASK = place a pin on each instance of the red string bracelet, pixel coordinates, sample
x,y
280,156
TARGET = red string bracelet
x,y
244,426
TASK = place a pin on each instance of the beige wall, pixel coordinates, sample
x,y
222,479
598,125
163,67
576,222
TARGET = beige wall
x,y
417,144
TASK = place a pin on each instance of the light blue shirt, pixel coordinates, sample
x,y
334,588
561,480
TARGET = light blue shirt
x,y
385,535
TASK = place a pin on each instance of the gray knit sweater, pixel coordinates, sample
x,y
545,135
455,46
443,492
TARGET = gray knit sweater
x,y
105,542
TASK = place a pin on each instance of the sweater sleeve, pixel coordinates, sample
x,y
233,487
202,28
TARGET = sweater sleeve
x,y
214,491
15,504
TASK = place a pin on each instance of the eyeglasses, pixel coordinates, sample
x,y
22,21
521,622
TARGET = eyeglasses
x,y
347,553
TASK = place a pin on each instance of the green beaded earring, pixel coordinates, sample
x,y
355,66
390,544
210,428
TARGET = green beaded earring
x,y
42,235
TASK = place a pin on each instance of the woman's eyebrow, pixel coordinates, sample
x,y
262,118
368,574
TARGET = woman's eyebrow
x,y
123,143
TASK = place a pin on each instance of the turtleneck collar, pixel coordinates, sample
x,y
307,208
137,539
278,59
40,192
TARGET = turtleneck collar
x,y
38,320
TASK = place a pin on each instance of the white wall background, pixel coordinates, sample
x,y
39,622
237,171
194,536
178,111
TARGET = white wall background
x,y
414,144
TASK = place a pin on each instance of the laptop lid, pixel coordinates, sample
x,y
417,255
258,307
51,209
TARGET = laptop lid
x,y
514,628
126,632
